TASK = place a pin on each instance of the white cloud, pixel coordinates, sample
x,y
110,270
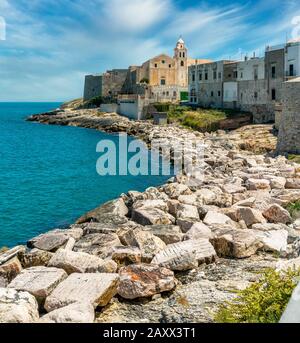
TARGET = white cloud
x,y
134,15
51,44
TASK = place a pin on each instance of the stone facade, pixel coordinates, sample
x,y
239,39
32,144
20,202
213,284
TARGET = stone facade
x,y
253,85
92,86
289,127
109,84
163,76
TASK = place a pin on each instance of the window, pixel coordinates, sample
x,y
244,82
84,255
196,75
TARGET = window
x,y
163,61
163,82
219,93
206,76
174,93
273,94
168,94
193,77
235,74
255,74
220,76
182,63
215,75
180,54
273,71
291,70
155,65
211,93
229,76
183,54
241,96
170,65
200,77
242,75
255,95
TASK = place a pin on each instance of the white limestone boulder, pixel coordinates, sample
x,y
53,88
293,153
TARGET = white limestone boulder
x,y
213,217
185,255
235,243
77,262
97,244
198,231
38,281
273,241
17,307
149,244
151,216
79,312
95,289
169,234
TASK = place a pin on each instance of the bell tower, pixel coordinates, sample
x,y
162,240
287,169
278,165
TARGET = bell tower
x,y
180,55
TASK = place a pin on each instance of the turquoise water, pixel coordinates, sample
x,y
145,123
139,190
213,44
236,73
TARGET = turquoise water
x,y
48,174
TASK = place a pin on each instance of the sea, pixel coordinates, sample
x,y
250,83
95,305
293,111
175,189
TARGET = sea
x,y
48,175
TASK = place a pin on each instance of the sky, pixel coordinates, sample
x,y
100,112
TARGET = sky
x,y
50,45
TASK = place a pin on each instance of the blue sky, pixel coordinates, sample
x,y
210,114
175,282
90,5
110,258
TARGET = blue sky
x,y
51,44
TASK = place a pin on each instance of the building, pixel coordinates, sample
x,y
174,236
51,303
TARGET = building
x,y
206,83
253,85
161,78
109,84
289,125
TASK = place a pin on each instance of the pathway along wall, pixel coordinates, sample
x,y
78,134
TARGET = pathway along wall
x,y
289,127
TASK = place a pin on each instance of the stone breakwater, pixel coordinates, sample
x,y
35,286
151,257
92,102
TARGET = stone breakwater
x,y
173,253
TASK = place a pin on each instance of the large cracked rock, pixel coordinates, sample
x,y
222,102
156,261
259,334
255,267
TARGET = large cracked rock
x,y
151,216
78,262
185,255
35,258
235,243
96,289
55,239
273,241
38,281
112,212
17,307
79,312
277,214
10,269
149,244
143,281
167,233
97,244
125,256
187,215
199,231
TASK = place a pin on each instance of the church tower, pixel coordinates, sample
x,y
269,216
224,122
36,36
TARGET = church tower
x,y
181,59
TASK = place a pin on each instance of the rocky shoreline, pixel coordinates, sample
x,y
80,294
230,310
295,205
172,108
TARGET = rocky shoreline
x,y
173,253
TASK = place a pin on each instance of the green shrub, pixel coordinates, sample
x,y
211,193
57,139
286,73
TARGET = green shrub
x,y
262,302
162,107
294,158
294,209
